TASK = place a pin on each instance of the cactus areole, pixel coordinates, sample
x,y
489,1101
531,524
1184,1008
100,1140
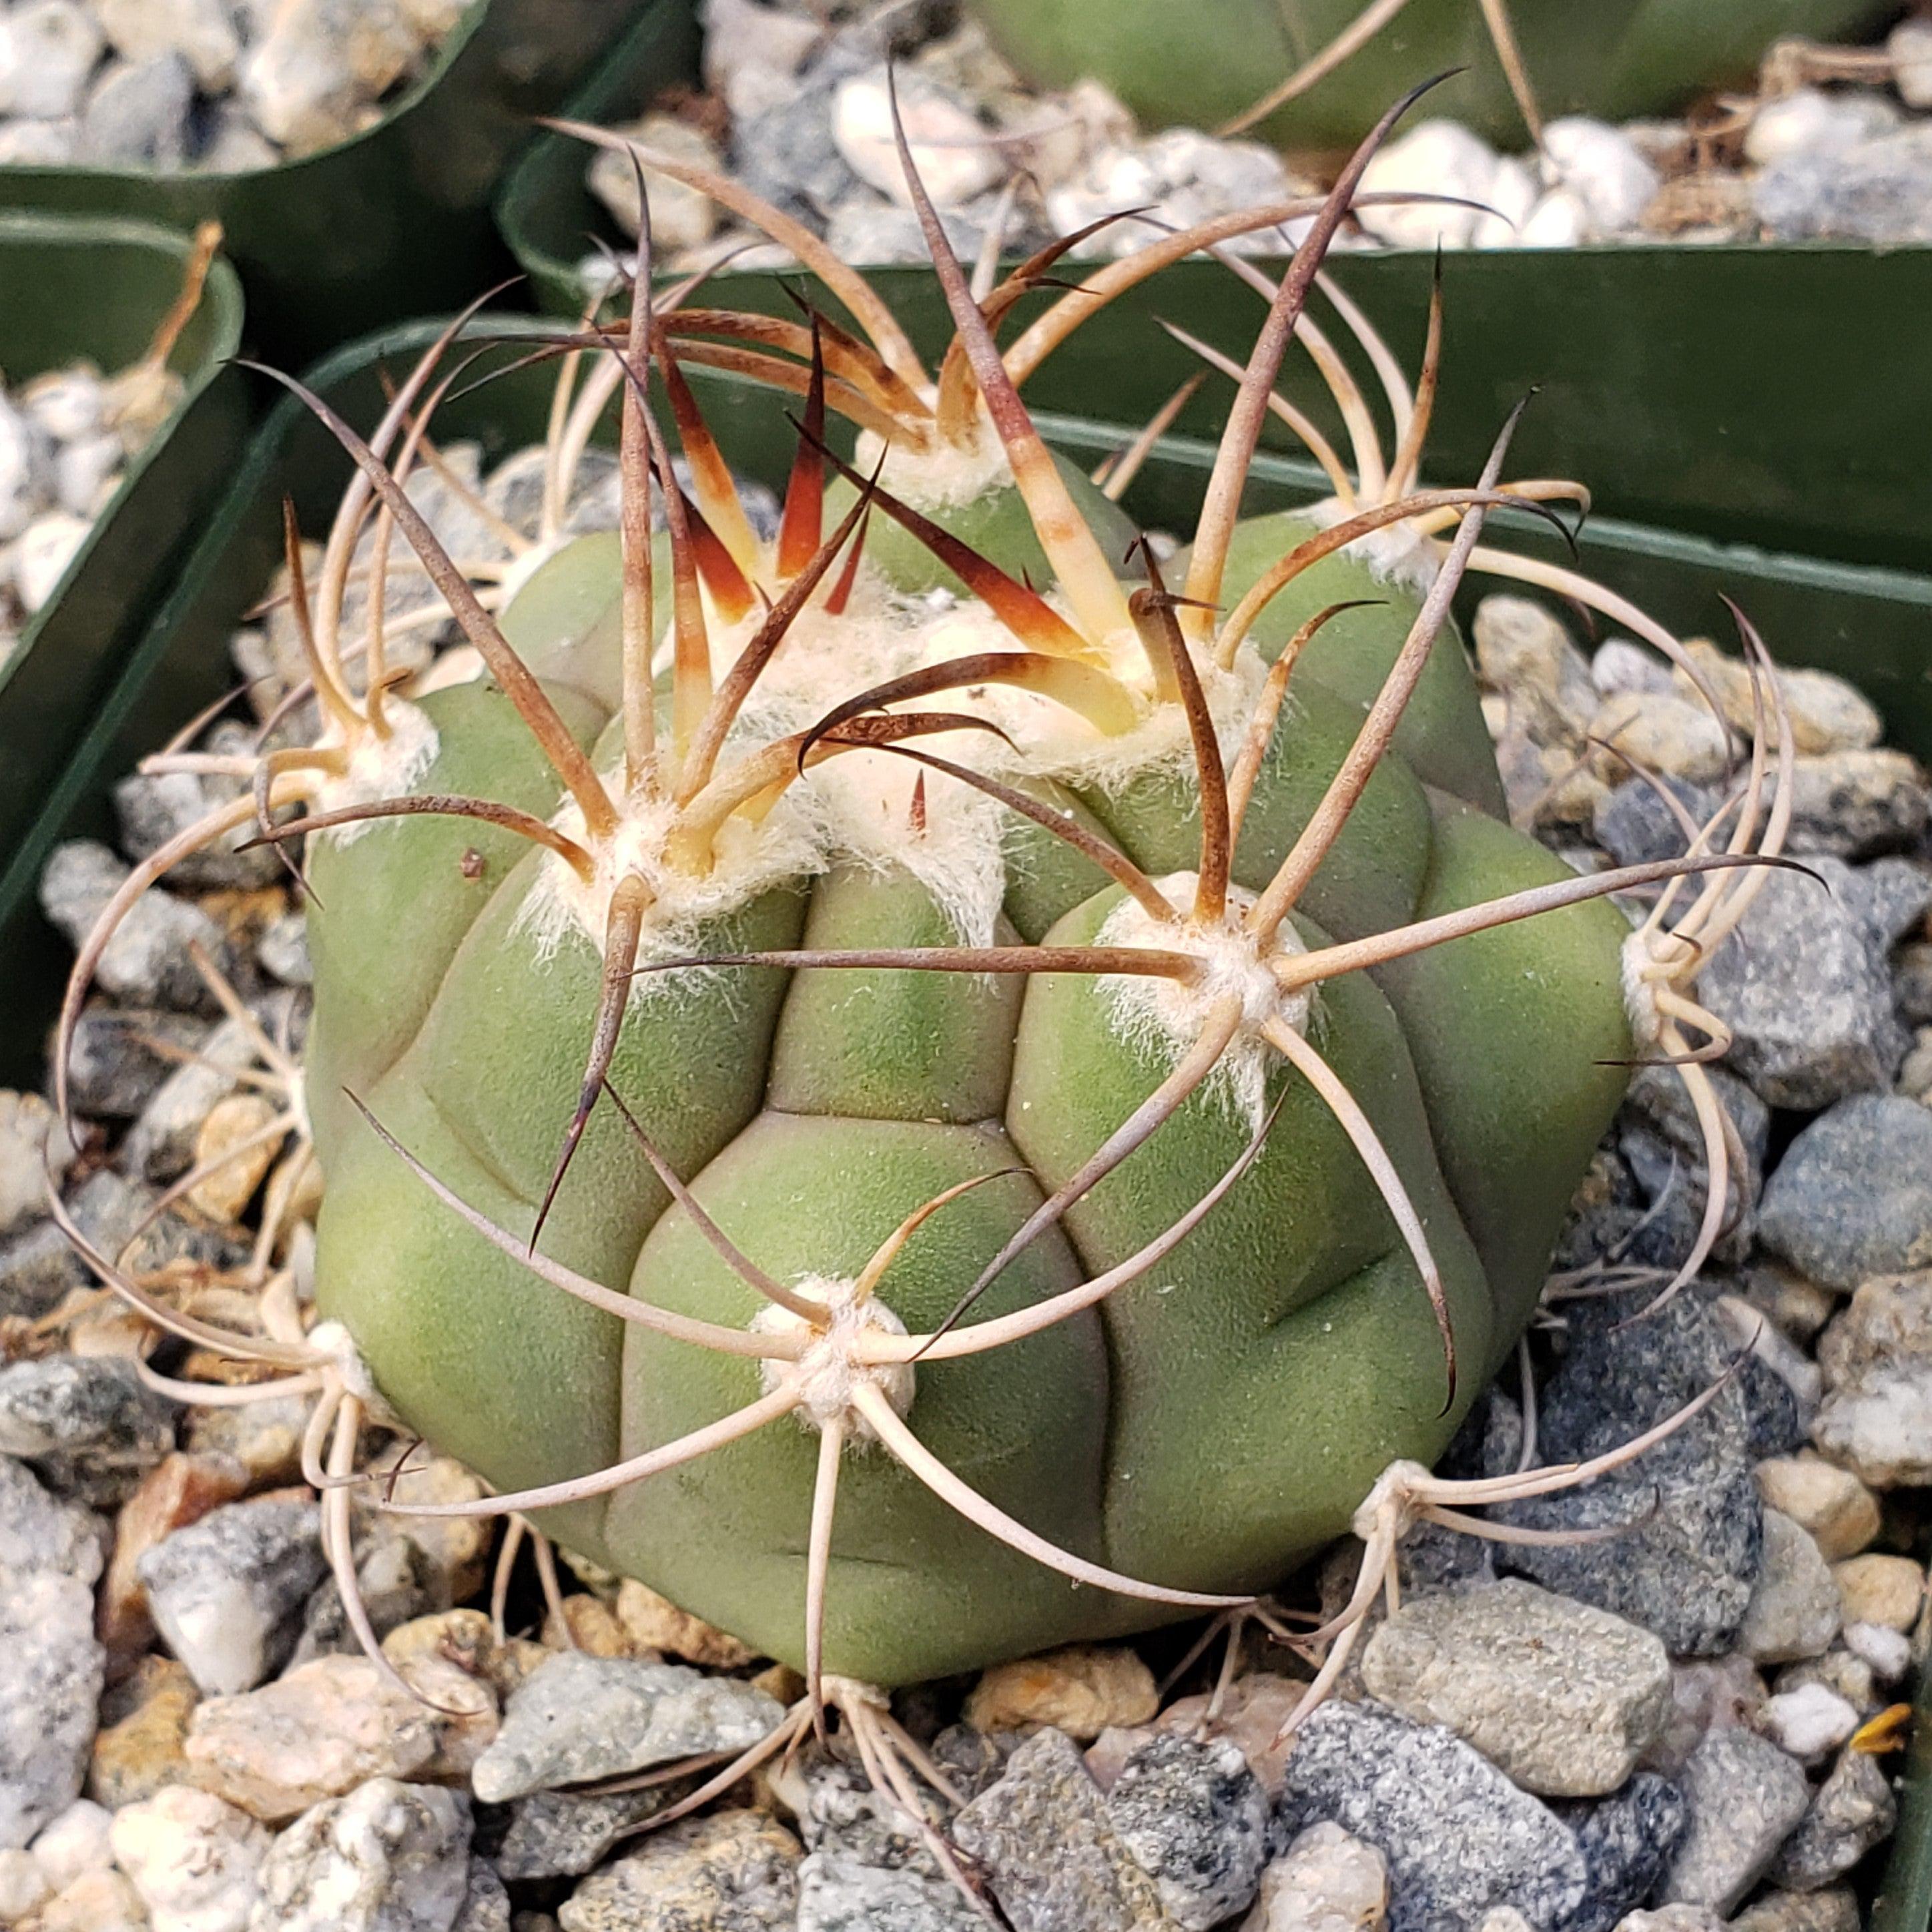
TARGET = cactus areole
x,y
926,1085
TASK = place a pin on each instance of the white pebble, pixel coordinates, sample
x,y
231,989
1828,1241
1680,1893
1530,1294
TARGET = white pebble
x,y
87,472
74,1842
23,1885
1439,157
1600,166
1810,121
40,556
1910,47
1888,1651
1557,221
195,1860
949,149
1621,665
47,51
1810,1721
65,403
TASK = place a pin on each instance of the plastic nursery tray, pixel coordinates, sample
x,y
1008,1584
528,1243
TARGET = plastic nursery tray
x,y
1772,395
72,289
394,222
1845,617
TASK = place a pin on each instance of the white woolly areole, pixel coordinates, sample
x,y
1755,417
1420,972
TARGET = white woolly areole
x,y
1397,1491
1397,554
830,1369
1163,1019
336,1347
1648,957
943,475
378,768
751,858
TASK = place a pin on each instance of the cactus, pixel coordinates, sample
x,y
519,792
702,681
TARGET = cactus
x,y
940,1126
1316,74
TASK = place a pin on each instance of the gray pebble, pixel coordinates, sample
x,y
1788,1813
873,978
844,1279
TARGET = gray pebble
x,y
136,114
1878,191
736,1871
160,1145
1876,1355
1194,1816
1857,804
561,1834
121,1055
486,1905
1746,1798
578,1716
1853,1811
51,1664
152,808
1460,1839
147,962
1853,1196
85,1422
1686,1563
1794,1609
282,950
1041,1834
1561,1697
1911,982
226,1593
388,1857
1626,1842
839,1894
1805,985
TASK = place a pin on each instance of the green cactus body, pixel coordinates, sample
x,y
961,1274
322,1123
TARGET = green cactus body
x,y
1202,66
1209,1426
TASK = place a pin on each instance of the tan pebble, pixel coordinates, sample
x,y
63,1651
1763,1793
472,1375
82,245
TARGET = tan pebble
x,y
264,1437
781,1681
655,1623
231,1125
466,1639
1081,1691
1876,1589
133,1758
1107,1756
180,1489
1840,1512
591,1627
1326,1881
333,1724
1659,730
295,1189
1827,714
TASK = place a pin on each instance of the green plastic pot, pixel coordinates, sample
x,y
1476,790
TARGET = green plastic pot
x,y
98,290
1872,624
1807,438
1204,63
394,222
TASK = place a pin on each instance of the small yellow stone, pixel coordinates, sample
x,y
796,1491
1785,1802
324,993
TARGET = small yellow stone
x,y
655,1623
1081,1690
1841,1514
132,1759
1876,1589
224,1137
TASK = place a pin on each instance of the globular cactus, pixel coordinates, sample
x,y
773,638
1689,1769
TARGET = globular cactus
x,y
1316,73
934,1123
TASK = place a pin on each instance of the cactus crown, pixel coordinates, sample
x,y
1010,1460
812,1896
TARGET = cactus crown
x,y
802,716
